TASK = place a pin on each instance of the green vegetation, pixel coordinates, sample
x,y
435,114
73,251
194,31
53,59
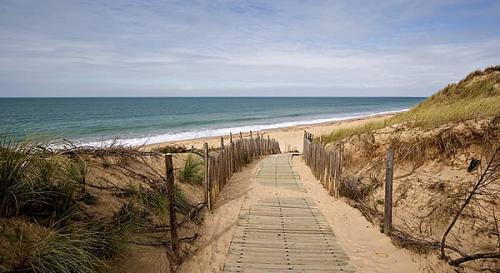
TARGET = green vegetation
x,y
72,249
81,246
192,172
342,133
115,234
154,200
181,203
44,225
476,96
15,163
36,186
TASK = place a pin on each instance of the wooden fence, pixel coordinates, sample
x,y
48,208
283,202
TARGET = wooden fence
x,y
231,158
325,163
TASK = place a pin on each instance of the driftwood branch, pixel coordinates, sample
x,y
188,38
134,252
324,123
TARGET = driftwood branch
x,y
490,255
487,177
406,240
166,243
192,213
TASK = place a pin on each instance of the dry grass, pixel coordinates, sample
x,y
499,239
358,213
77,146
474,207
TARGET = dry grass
x,y
352,131
47,219
476,96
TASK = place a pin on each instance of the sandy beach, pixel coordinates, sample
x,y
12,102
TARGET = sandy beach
x,y
290,138
249,136
369,250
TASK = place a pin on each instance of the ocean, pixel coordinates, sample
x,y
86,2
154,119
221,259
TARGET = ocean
x,y
137,121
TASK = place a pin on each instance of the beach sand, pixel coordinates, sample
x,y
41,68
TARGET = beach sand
x,y
369,250
290,138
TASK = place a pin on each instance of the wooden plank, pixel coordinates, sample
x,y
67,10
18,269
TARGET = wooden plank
x,y
285,234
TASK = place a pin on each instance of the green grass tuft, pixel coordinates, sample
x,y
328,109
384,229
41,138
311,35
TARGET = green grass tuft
x,y
181,202
16,163
37,185
71,249
122,229
192,172
342,133
156,201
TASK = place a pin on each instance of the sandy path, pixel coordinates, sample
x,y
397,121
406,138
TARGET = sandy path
x,y
368,249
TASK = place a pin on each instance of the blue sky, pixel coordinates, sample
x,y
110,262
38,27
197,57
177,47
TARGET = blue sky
x,y
242,48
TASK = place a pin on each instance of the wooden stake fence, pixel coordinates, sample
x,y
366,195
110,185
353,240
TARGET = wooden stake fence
x,y
221,164
325,164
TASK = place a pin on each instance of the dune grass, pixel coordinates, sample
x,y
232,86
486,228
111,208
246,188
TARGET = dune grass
x,y
115,234
476,96
68,250
192,172
43,189
27,247
80,246
342,133
35,185
15,164
156,201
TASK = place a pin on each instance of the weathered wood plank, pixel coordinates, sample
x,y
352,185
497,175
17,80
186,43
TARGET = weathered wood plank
x,y
285,234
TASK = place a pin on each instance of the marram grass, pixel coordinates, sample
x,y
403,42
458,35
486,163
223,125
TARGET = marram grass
x,y
477,96
68,250
192,172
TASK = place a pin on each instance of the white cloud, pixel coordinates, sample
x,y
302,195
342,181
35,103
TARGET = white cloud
x,y
228,48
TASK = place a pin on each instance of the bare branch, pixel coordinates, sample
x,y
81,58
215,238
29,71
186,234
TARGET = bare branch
x,y
486,177
490,255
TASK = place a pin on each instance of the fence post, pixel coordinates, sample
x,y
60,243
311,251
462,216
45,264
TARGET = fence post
x,y
222,165
171,208
207,177
257,142
252,146
231,153
242,150
388,192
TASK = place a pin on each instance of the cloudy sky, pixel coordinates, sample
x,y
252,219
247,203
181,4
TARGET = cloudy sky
x,y
242,48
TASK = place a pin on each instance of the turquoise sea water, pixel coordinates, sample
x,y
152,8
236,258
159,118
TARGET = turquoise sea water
x,y
137,121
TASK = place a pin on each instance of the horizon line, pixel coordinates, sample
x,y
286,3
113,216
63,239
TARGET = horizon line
x,y
194,97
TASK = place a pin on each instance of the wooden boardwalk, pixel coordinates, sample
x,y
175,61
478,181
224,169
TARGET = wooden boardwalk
x,y
276,171
284,234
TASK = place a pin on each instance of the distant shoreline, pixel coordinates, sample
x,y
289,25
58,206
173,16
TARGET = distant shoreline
x,y
137,122
217,133
291,135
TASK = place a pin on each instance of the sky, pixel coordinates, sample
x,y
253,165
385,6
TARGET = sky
x,y
242,48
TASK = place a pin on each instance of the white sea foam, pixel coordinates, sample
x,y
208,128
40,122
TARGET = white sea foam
x,y
224,131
